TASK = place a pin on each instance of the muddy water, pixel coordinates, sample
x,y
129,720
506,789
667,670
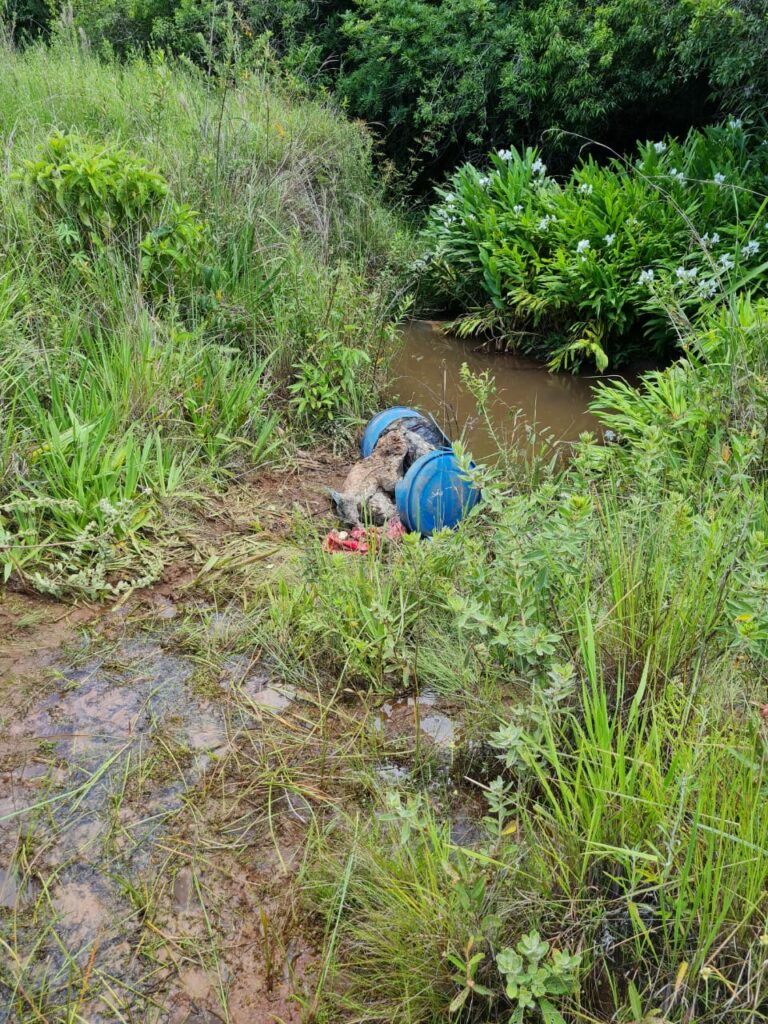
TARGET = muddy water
x,y
427,376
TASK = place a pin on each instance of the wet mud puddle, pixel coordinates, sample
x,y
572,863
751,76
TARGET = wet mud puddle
x,y
427,376
120,894
415,717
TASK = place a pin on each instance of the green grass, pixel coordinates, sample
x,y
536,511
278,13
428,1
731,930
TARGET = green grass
x,y
177,252
599,629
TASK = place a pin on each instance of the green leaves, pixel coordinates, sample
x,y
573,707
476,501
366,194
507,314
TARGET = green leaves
x,y
327,384
96,196
531,972
588,270
469,966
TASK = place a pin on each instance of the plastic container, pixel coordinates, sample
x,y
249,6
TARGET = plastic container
x,y
435,493
389,417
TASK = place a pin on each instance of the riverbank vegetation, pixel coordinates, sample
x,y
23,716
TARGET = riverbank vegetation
x,y
601,265
515,772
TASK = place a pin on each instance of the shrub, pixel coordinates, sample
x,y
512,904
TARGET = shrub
x,y
92,196
446,81
328,383
586,268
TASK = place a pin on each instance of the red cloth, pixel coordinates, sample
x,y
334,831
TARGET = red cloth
x,y
361,539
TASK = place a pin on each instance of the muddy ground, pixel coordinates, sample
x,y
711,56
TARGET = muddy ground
x,y
259,511
158,777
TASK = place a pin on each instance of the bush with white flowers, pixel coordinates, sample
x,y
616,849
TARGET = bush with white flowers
x,y
585,268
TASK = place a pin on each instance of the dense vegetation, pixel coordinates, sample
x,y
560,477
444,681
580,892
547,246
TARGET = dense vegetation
x,y
589,268
444,81
199,276
185,268
602,628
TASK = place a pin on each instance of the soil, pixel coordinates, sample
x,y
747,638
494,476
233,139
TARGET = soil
x,y
158,777
128,878
123,879
34,627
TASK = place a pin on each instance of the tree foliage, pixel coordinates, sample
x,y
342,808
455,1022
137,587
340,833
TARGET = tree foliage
x,y
445,81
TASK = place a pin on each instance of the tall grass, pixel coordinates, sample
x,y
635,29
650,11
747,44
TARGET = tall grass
x,y
599,629
178,250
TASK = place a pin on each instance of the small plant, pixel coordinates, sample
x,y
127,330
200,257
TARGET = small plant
x,y
328,384
171,252
468,966
532,973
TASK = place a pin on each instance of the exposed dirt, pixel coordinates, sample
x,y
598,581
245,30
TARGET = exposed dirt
x,y
157,780
417,717
34,627
119,866
128,889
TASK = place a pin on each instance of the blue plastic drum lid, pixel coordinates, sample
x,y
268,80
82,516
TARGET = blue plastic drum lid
x,y
435,493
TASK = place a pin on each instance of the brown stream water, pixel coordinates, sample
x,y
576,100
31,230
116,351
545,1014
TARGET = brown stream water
x,y
427,376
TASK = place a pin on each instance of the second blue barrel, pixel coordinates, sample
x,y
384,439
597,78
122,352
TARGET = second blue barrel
x,y
435,493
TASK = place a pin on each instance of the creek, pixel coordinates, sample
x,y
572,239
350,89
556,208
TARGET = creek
x,y
427,375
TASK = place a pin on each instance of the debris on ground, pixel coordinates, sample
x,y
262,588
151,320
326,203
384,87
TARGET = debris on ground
x,y
361,539
398,482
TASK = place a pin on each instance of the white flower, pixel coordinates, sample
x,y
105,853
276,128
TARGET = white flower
x,y
538,167
504,154
677,175
545,222
751,248
483,180
710,240
660,147
585,188
735,122
707,288
727,262
646,276
610,238
718,178
609,435
517,208
583,245
686,275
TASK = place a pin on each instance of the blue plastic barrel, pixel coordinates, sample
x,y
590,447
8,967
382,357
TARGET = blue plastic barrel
x,y
380,422
435,493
